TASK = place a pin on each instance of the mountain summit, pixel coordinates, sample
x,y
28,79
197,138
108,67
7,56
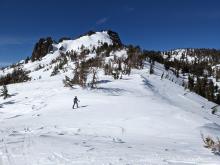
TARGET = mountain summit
x,y
89,40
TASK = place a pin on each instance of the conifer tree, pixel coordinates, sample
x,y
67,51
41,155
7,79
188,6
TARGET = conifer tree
x,y
94,72
4,92
190,83
151,68
76,74
83,73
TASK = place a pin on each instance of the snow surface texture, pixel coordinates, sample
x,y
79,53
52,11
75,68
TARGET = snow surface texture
x,y
139,119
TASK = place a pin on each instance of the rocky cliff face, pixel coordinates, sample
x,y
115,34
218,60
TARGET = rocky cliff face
x,y
42,48
115,38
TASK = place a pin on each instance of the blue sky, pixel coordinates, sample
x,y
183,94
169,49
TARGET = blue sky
x,y
152,24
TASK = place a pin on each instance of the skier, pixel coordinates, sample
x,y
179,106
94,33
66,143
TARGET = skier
x,y
75,102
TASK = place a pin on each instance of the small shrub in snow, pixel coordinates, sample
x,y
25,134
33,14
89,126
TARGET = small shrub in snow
x,y
162,76
55,71
27,60
212,144
214,110
68,82
116,74
39,67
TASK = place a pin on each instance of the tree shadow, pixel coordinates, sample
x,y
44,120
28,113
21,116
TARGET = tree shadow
x,y
7,103
103,81
148,84
112,91
13,94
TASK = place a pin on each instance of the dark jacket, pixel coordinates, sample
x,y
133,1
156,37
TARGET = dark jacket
x,y
75,100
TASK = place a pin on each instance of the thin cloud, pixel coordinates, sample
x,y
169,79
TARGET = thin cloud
x,y
102,21
129,9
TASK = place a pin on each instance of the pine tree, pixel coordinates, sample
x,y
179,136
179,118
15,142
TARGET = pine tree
x,y
177,74
190,83
217,101
217,76
211,90
83,73
68,82
152,68
94,72
27,60
4,92
75,79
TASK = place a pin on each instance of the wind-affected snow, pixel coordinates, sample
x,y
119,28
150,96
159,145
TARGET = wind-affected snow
x,y
140,119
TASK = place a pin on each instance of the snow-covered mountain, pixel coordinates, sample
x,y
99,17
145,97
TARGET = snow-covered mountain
x,y
46,61
139,118
192,55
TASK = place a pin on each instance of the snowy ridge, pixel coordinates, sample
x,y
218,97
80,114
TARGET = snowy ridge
x,y
89,42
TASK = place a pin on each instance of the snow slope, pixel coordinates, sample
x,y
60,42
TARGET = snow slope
x,y
140,119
